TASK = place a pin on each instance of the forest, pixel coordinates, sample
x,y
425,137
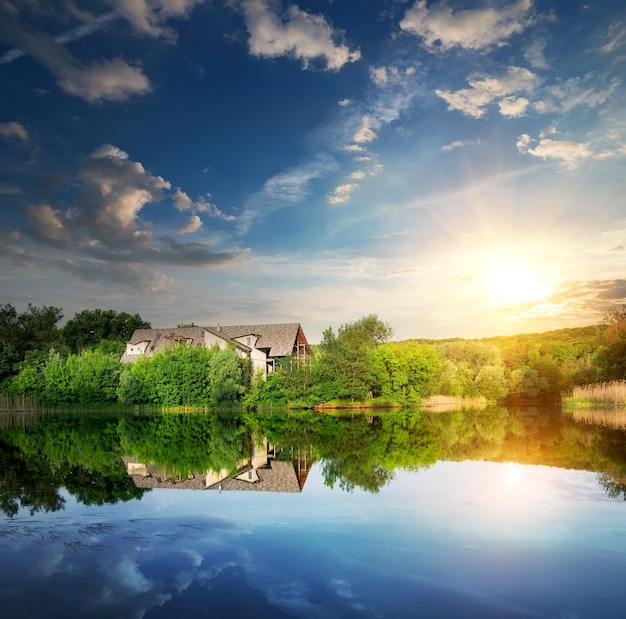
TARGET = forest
x,y
79,363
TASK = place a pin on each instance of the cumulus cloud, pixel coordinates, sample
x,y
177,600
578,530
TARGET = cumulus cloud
x,y
441,28
13,131
345,102
183,202
569,154
193,224
365,133
102,80
148,18
297,34
513,107
113,79
341,193
383,76
106,232
105,80
485,89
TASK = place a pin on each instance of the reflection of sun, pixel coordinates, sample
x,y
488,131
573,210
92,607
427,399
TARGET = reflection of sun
x,y
513,475
514,282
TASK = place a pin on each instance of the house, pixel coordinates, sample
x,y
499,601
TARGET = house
x,y
264,345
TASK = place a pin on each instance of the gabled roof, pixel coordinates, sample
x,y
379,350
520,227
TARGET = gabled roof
x,y
279,339
195,334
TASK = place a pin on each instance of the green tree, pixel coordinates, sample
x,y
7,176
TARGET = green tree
x,y
408,371
90,327
348,364
29,332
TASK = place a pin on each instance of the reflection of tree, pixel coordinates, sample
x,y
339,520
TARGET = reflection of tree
x,y
356,451
186,443
25,482
79,452
614,487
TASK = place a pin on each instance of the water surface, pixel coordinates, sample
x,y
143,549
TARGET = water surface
x,y
498,513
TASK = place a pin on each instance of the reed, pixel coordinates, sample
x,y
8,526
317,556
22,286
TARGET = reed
x,y
18,402
598,395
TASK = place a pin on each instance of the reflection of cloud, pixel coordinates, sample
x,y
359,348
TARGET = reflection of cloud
x,y
195,558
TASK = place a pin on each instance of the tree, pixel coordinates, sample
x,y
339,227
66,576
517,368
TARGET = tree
x,y
90,327
347,360
33,330
409,370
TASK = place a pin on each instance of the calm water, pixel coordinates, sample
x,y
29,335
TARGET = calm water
x,y
494,513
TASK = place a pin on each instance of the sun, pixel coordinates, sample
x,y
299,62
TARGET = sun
x,y
512,282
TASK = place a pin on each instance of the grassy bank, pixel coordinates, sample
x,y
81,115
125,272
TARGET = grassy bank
x,y
599,395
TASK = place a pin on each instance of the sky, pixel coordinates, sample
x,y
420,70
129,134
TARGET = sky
x,y
456,168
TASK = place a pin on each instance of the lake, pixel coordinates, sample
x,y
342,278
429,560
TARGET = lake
x,y
501,512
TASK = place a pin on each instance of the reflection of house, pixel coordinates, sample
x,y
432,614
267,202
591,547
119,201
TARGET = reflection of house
x,y
265,471
263,344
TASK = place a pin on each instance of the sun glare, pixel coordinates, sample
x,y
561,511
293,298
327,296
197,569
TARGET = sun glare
x,y
513,282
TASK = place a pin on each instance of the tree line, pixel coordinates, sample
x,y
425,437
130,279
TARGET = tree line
x,y
80,363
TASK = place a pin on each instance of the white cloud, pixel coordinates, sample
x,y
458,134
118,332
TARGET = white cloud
x,y
441,28
513,107
575,92
299,35
13,131
616,37
147,17
342,193
383,76
353,148
193,224
364,133
569,154
345,102
289,187
105,80
378,75
104,234
461,144
485,89
183,202
535,54
358,175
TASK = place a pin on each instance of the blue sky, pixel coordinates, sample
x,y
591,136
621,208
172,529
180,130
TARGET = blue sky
x,y
455,167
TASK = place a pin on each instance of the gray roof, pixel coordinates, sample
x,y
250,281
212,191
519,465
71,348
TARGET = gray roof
x,y
196,334
160,338
280,339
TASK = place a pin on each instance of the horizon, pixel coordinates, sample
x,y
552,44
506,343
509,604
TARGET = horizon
x,y
454,168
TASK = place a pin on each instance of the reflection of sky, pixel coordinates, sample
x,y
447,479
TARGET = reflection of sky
x,y
468,539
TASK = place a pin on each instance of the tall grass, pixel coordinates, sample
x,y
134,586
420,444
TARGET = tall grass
x,y
21,402
598,395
